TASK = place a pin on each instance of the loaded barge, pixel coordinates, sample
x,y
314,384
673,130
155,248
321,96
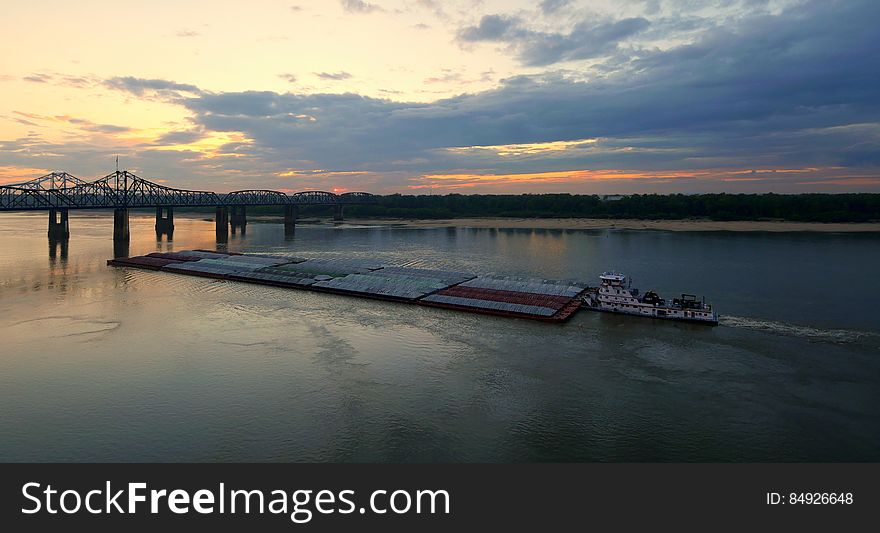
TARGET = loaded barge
x,y
537,299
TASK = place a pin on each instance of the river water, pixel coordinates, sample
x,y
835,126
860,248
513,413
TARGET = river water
x,y
110,364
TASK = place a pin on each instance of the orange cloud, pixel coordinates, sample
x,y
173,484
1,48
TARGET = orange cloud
x,y
615,180
567,176
10,175
525,149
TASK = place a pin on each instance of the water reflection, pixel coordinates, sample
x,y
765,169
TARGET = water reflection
x,y
56,245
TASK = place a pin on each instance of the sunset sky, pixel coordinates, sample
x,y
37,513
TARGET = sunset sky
x,y
430,96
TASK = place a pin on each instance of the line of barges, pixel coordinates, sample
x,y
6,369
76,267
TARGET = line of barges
x,y
532,298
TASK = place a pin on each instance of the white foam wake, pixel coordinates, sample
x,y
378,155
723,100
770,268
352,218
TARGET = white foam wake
x,y
782,328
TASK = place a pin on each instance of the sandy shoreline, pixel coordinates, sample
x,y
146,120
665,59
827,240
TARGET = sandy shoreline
x,y
591,223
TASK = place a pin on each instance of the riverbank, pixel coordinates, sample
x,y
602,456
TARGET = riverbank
x,y
592,223
780,226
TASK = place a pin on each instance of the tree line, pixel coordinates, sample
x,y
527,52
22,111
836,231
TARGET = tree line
x,y
856,207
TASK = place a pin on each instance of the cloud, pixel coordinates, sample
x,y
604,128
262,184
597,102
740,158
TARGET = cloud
x,y
187,33
180,137
79,82
435,6
57,79
38,78
27,122
491,28
588,39
552,6
333,76
141,87
99,128
296,9
451,76
32,119
358,6
290,78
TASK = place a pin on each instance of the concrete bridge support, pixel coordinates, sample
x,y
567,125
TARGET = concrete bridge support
x,y
58,229
221,223
164,224
337,213
290,215
120,248
120,225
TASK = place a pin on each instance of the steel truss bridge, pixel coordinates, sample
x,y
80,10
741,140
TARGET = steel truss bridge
x,y
123,190
60,192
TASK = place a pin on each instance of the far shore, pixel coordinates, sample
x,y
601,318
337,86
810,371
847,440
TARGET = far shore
x,y
588,223
630,224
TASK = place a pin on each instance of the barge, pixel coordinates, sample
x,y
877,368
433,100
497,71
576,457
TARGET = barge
x,y
532,298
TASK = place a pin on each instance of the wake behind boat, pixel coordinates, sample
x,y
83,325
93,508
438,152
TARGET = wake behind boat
x,y
615,295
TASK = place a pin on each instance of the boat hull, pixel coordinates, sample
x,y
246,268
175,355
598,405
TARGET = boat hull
x,y
676,315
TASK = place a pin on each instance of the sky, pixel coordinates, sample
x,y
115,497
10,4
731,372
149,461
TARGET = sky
x,y
433,97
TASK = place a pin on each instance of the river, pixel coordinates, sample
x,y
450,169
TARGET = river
x,y
112,364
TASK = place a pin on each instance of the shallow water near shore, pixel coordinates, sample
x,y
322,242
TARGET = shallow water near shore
x,y
113,364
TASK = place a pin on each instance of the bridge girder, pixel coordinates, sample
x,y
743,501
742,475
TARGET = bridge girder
x,y
255,197
51,181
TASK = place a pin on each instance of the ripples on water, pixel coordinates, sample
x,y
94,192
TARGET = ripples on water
x,y
116,364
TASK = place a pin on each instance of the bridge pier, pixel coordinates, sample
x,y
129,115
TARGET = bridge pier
x,y
290,215
221,223
337,213
120,248
164,225
120,225
58,229
238,219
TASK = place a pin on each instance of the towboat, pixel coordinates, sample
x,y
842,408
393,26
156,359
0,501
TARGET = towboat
x,y
616,295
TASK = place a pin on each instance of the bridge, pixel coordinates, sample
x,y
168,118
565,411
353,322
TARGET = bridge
x,y
59,192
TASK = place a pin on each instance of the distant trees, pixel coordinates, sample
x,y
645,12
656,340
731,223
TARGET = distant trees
x,y
792,207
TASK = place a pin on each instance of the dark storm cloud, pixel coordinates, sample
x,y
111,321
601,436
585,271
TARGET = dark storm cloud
x,y
774,89
588,39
